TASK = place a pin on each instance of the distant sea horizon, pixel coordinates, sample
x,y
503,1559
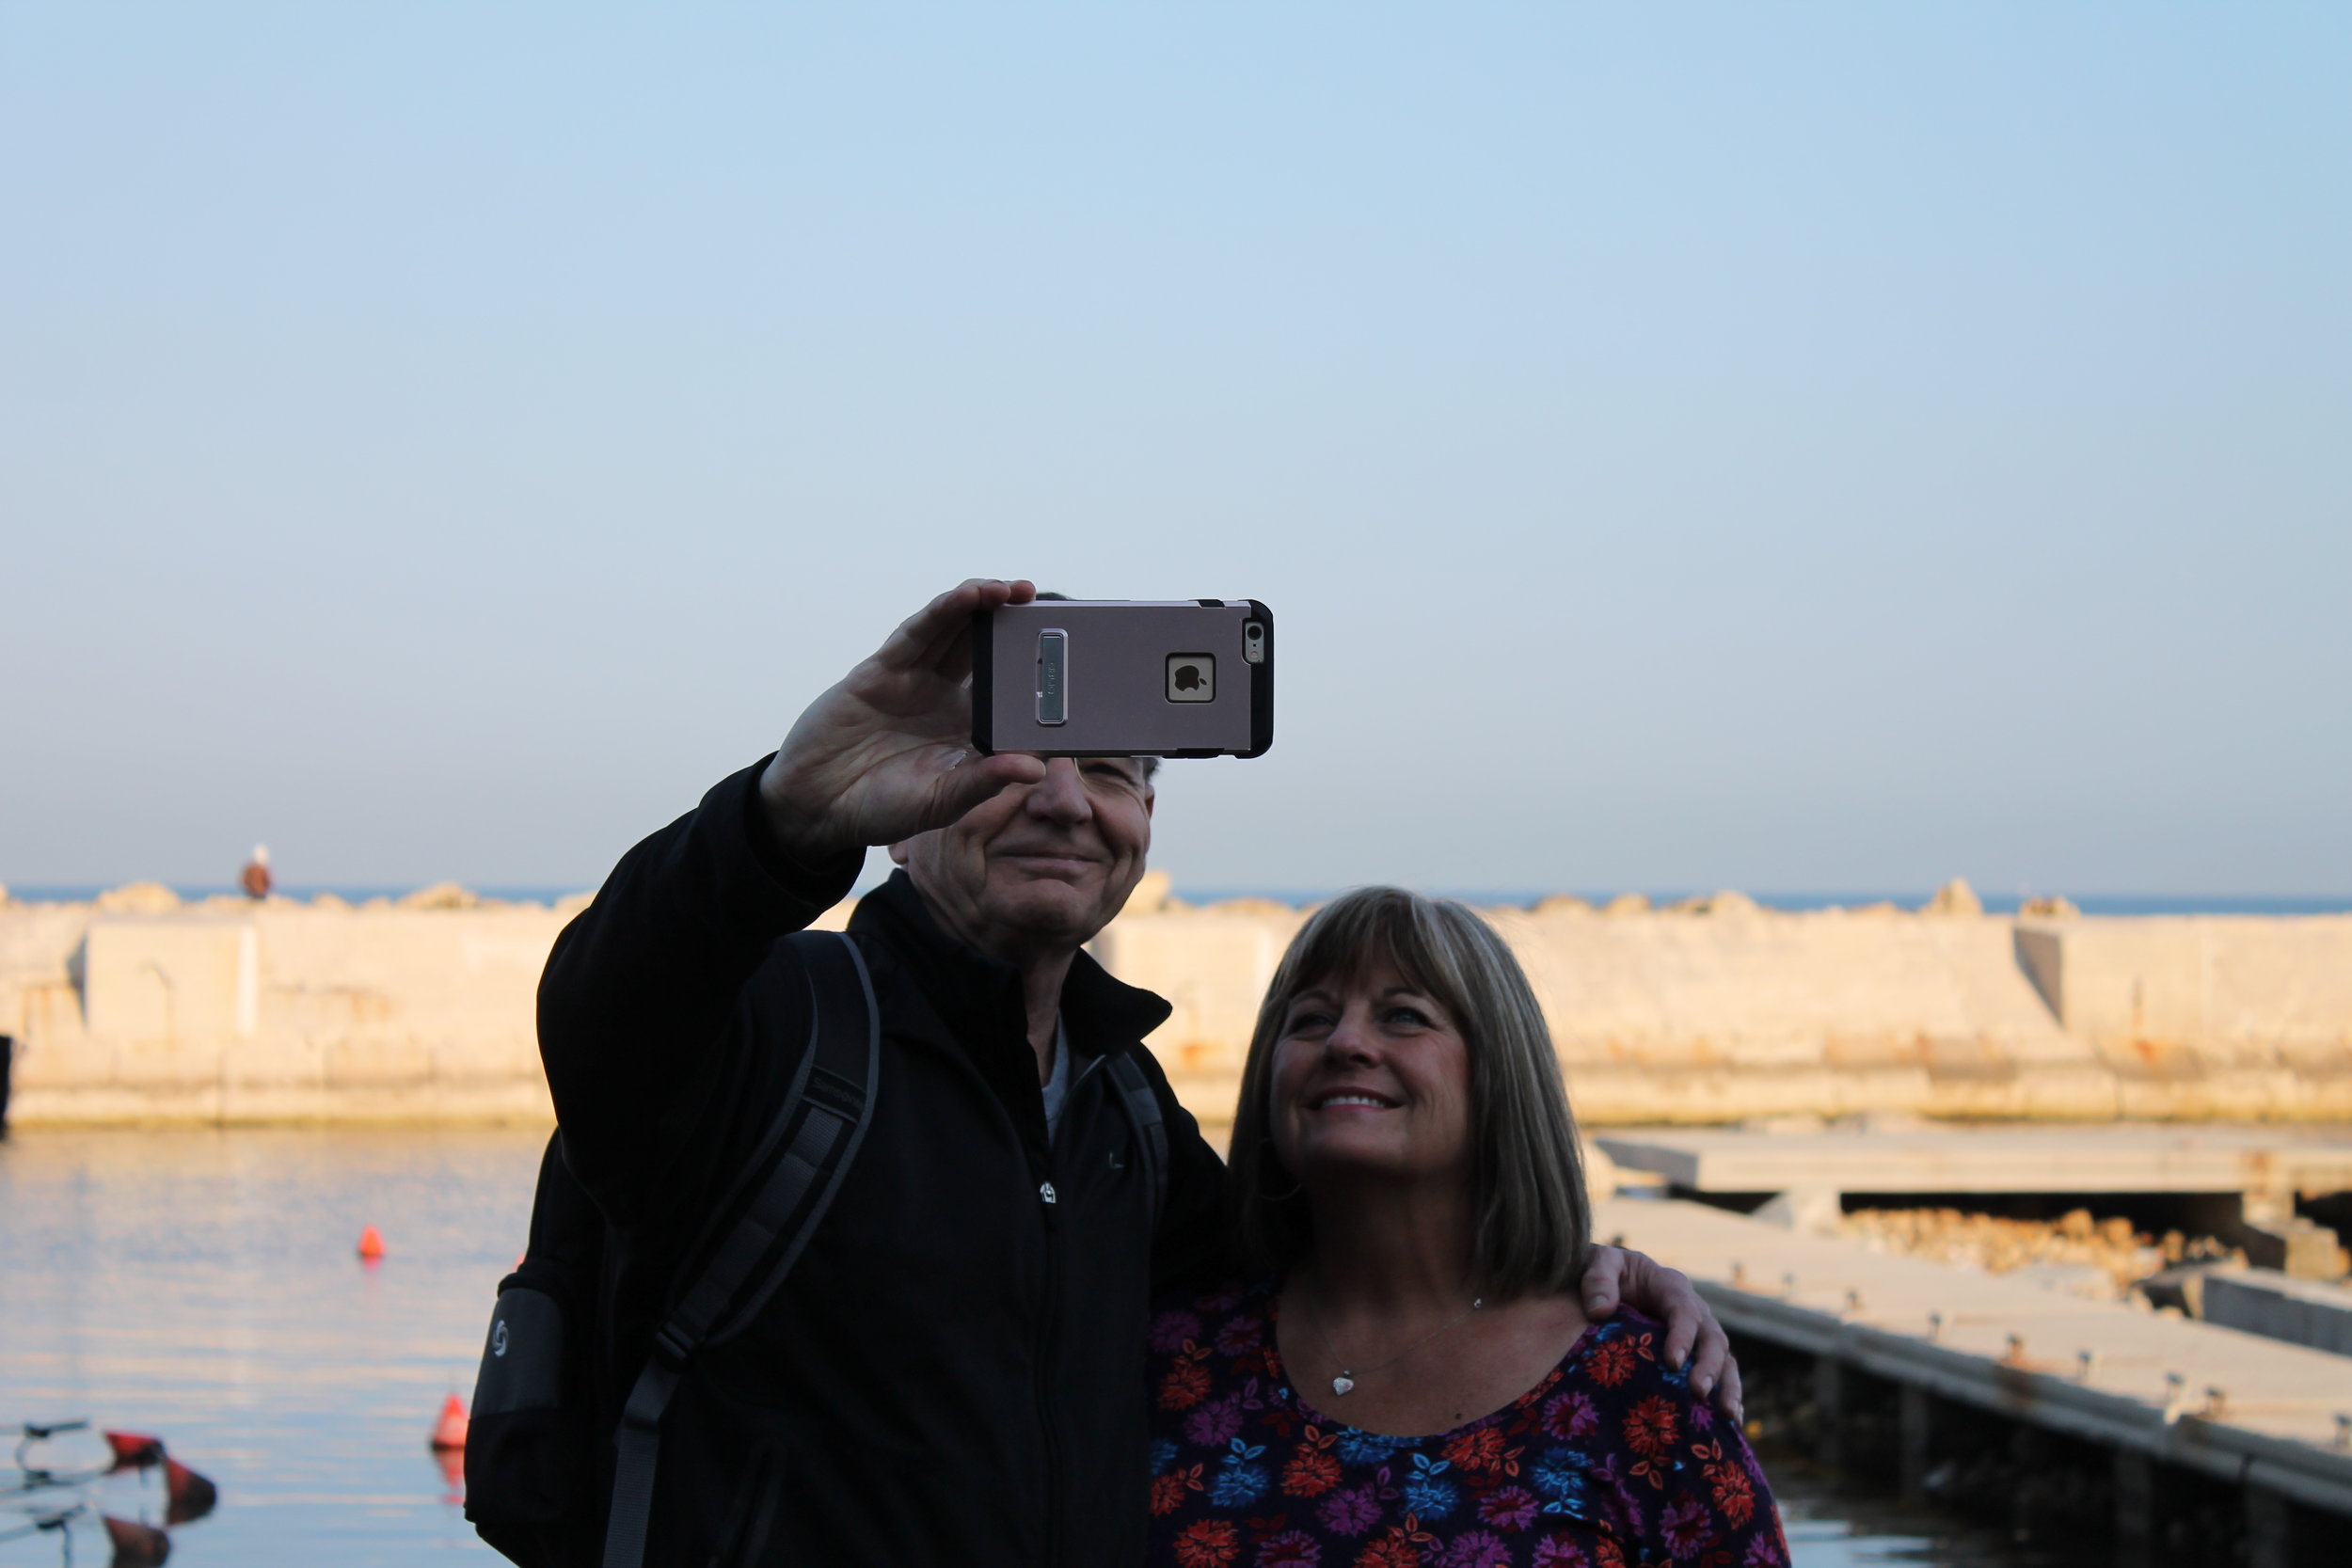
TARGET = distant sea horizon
x,y
1794,902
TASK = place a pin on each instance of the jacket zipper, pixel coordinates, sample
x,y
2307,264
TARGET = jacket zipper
x,y
1049,1340
1049,1327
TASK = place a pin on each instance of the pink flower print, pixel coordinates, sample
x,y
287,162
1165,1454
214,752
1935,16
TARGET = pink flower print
x,y
1351,1509
1475,1549
1571,1416
1208,1544
1170,1329
1509,1508
1560,1551
1185,1385
1481,1451
1613,1362
1290,1548
1650,1426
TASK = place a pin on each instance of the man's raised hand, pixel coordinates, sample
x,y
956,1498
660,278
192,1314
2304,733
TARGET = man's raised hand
x,y
886,752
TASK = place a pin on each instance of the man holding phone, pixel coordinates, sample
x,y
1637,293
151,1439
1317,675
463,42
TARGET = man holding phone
x,y
954,1372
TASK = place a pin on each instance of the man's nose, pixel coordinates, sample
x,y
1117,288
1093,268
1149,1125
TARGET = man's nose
x,y
1061,795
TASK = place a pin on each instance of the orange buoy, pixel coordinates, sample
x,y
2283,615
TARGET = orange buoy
x,y
371,1244
449,1431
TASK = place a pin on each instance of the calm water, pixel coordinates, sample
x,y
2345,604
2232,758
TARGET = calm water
x,y
202,1286
1994,900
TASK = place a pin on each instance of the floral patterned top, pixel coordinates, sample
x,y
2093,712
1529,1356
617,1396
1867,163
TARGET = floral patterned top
x,y
1610,1460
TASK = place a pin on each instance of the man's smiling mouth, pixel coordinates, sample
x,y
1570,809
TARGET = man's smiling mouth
x,y
1049,858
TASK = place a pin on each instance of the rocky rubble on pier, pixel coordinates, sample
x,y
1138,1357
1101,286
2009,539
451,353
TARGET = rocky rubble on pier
x,y
2073,1251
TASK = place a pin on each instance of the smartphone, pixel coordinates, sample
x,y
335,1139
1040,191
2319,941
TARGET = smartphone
x,y
1124,678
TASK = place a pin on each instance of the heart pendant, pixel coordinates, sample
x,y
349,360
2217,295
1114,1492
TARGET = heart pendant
x,y
1343,1383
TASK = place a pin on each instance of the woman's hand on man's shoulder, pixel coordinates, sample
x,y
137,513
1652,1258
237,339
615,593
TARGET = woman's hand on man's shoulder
x,y
1615,1276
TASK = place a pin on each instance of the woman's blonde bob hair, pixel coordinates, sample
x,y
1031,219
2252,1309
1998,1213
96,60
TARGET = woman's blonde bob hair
x,y
1530,1221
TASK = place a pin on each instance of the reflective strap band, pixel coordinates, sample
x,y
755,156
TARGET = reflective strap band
x,y
637,1446
778,1201
832,1095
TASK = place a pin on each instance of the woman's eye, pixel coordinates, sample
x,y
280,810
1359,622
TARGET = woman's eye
x,y
1409,1017
1301,1023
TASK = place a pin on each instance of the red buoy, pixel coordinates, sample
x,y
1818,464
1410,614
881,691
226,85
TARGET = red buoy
x,y
371,1244
452,1464
449,1431
136,1546
133,1451
187,1494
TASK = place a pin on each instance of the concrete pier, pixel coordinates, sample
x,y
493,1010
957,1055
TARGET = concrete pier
x,y
138,1007
2163,1397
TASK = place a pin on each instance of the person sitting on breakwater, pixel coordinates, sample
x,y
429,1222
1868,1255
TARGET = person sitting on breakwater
x,y
953,1372
1410,1378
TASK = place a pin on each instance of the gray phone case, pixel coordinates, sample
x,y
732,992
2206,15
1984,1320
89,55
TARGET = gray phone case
x,y
1124,678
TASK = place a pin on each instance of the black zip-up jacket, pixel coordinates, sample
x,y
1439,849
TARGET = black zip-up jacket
x,y
954,1373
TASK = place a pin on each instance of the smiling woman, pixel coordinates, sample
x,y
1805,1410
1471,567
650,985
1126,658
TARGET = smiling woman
x,y
1410,1381
1460,1020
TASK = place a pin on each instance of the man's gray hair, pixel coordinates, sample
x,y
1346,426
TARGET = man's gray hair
x,y
1531,1223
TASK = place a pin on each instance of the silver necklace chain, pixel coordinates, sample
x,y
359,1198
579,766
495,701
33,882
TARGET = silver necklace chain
x,y
1345,1382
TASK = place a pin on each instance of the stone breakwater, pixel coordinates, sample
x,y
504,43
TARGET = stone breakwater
x,y
138,1007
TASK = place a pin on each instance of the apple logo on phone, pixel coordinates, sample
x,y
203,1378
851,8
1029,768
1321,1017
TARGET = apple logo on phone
x,y
1191,677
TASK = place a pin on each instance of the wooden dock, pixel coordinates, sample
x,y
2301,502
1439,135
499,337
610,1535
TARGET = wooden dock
x,y
2270,1163
2271,1419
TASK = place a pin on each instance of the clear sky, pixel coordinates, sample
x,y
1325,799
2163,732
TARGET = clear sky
x,y
1782,447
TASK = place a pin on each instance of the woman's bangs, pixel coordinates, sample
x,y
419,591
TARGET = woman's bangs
x,y
1363,936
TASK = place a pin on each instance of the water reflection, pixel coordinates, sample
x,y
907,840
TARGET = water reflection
x,y
204,1286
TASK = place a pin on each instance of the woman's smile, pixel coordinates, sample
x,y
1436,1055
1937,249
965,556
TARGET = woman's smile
x,y
1350,1100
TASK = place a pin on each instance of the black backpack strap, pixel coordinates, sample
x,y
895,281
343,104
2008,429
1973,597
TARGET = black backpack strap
x,y
1143,1110
822,1121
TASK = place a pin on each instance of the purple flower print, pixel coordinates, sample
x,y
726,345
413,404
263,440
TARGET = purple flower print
x,y
1475,1549
1684,1526
1215,1423
1241,1335
1170,1329
1225,1300
1571,1416
1560,1551
1509,1508
1290,1548
1351,1509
